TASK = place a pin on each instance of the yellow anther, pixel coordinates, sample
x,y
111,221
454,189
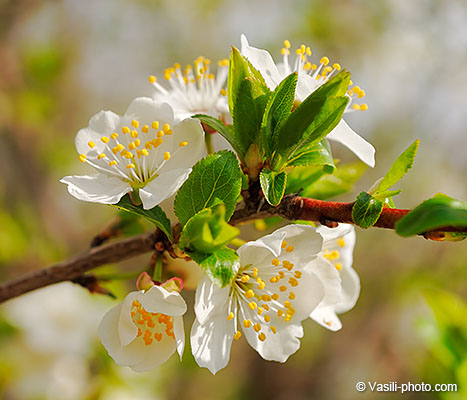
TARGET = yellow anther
x,y
155,125
284,51
91,144
134,133
160,134
288,317
289,249
338,266
166,127
211,76
275,262
284,244
286,44
261,286
82,157
157,142
255,272
287,303
257,327
148,145
267,318
125,130
137,142
183,144
169,132
223,92
293,282
302,49
259,280
275,296
266,297
262,336
152,79
246,323
350,83
273,279
237,335
135,124
281,275
114,135
249,294
101,156
105,139
129,166
327,69
273,329
291,295
266,307
282,288
117,148
341,242
324,61
308,51
361,94
177,65
230,316
167,75
132,146
307,66
291,311
298,274
112,163
364,107
145,152
166,155
138,153
252,305
356,89
223,63
260,310
280,313
245,278
336,66
145,129
314,67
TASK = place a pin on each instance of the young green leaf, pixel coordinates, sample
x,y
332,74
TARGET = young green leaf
x,y
314,154
399,168
221,266
433,214
155,215
207,231
366,210
277,110
273,185
214,179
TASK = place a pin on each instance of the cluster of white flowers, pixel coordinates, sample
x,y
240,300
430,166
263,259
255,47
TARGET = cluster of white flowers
x,y
297,272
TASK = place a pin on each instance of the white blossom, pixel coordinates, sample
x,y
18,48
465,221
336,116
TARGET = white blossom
x,y
310,77
144,151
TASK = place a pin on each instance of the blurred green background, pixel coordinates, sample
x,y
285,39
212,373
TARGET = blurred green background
x,y
63,61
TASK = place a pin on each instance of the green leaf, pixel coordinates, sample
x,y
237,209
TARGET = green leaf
x,y
387,194
432,214
248,110
366,210
207,231
399,168
273,185
239,69
224,130
313,119
214,179
314,154
155,215
221,266
277,110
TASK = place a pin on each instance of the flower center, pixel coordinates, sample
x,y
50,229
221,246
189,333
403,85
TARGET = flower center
x,y
134,154
321,72
151,326
266,296
195,88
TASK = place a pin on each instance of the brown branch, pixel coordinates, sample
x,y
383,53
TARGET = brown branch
x,y
292,207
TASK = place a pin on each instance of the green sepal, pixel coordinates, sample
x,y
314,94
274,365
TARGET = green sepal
x,y
366,210
221,266
273,185
207,231
156,215
215,179
432,214
277,111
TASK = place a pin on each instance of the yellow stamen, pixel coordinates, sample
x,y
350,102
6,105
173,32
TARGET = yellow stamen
x,y
275,262
230,316
155,125
135,123
166,155
105,139
257,327
246,323
324,61
113,136
125,130
129,166
91,144
82,157
145,129
101,156
183,144
364,107
249,294
262,336
289,249
252,305
237,335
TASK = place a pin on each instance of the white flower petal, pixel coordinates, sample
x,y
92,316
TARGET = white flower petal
x,y
342,133
263,62
211,342
350,290
162,187
325,316
329,276
156,354
209,299
97,188
127,329
179,333
159,300
147,110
